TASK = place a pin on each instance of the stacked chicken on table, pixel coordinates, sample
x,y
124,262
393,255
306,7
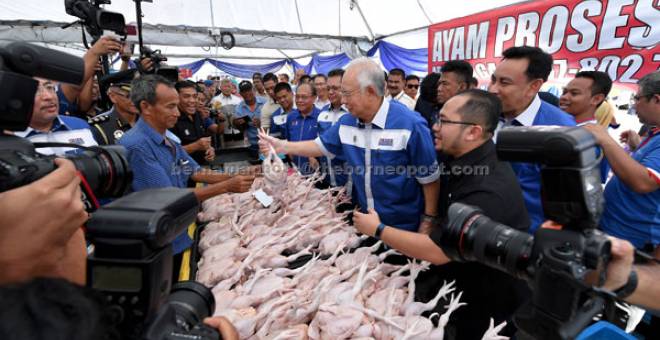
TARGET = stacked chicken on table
x,y
340,293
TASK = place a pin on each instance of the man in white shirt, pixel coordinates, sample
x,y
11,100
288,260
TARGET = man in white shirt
x,y
395,83
321,85
271,105
226,97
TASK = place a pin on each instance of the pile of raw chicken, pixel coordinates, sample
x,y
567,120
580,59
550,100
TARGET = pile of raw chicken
x,y
337,294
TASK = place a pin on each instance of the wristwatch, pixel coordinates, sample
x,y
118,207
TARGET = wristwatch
x,y
379,231
629,287
430,218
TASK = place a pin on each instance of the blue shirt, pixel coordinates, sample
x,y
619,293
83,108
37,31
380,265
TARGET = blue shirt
x,y
300,128
629,215
278,121
64,123
389,160
243,110
334,169
65,105
156,164
529,174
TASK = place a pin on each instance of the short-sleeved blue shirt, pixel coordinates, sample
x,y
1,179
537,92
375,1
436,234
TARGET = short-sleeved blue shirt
x,y
158,162
388,159
629,215
300,128
278,121
243,110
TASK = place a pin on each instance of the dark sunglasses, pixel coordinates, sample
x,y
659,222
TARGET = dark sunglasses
x,y
411,86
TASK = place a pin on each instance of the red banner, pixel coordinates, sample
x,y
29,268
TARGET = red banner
x,y
619,37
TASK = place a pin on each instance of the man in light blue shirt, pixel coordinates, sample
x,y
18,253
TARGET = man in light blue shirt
x,y
248,115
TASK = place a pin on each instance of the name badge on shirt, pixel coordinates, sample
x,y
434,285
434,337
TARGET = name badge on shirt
x,y
386,142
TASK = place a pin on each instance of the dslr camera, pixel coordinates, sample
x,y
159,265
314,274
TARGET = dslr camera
x,y
105,172
131,265
555,263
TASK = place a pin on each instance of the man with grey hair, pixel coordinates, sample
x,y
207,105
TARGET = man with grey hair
x,y
632,197
387,148
159,162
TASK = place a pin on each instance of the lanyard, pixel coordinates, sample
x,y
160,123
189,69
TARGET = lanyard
x,y
652,133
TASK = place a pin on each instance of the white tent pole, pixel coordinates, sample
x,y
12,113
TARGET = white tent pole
x,y
213,24
298,14
339,21
424,11
364,19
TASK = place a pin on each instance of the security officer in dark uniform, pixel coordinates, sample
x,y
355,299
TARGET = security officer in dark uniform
x,y
110,126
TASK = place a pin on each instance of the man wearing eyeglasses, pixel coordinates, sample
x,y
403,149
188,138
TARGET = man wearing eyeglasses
x,y
387,147
329,116
472,175
301,125
47,125
632,198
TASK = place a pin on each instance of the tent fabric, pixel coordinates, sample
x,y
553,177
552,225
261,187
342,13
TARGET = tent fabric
x,y
246,71
410,60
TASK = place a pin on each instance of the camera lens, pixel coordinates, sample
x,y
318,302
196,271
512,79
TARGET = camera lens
x,y
192,301
105,169
471,236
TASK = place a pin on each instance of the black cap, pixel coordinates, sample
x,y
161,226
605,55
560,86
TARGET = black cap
x,y
120,79
245,86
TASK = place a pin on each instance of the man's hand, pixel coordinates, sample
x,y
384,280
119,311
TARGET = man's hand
x,y
240,183
313,163
599,133
106,45
366,223
38,220
620,265
226,329
147,64
425,227
266,142
631,138
203,143
210,154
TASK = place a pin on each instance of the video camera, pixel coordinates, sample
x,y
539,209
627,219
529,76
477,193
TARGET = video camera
x,y
132,266
105,169
95,19
555,263
170,73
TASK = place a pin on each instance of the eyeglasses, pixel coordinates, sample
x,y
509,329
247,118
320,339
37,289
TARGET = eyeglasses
x,y
347,93
46,88
412,86
445,121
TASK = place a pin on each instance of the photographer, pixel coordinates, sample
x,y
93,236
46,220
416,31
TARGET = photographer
x,y
645,291
632,197
79,97
40,232
159,162
476,177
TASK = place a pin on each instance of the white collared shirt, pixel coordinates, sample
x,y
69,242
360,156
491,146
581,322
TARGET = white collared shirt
x,y
404,99
526,118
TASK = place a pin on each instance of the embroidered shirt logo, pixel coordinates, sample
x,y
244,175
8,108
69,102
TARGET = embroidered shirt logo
x,y
385,142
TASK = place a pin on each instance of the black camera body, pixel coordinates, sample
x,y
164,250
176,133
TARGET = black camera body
x,y
554,262
95,19
132,265
170,73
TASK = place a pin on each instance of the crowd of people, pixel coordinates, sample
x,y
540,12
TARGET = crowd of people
x,y
405,148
